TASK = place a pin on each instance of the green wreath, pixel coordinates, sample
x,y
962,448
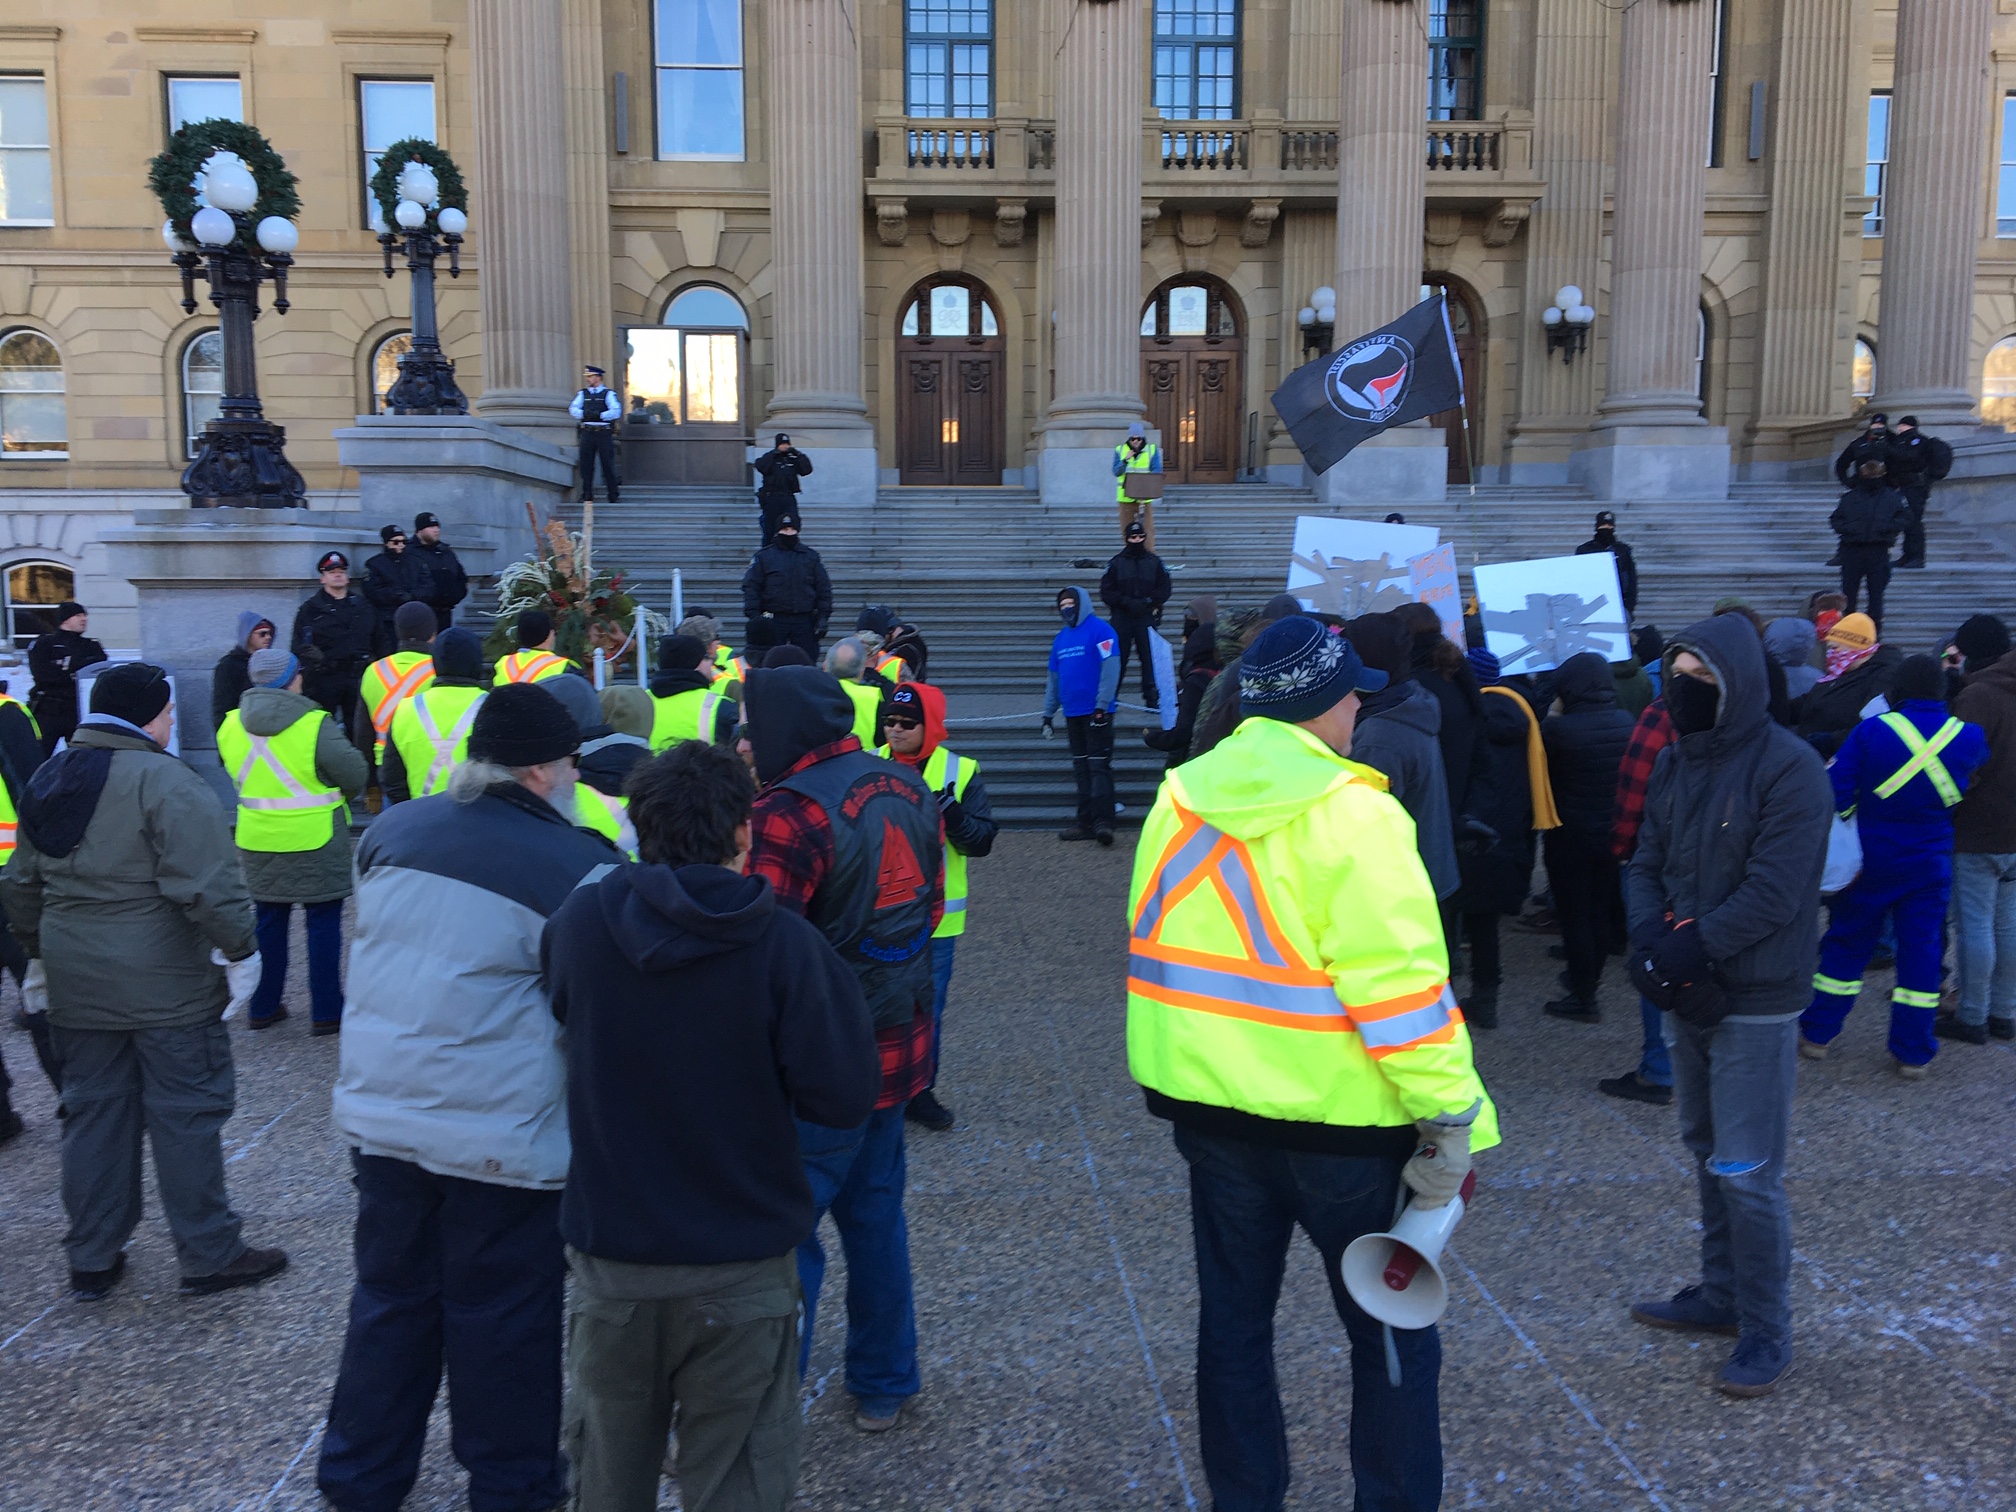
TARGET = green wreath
x,y
173,173
392,162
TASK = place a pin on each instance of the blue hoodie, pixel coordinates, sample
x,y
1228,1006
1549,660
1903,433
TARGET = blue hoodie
x,y
1084,664
1912,827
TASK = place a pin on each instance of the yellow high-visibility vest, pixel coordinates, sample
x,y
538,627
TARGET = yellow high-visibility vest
x,y
1144,461
430,732
889,668
1924,757
530,667
684,716
948,766
1286,952
391,680
608,816
727,664
283,804
867,707
9,821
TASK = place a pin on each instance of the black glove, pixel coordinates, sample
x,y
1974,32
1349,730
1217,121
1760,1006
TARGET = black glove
x,y
954,813
1679,956
1101,718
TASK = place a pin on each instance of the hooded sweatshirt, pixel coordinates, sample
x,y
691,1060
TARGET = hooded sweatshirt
x,y
1789,642
700,1017
232,675
1084,664
1585,749
1735,835
970,827
321,875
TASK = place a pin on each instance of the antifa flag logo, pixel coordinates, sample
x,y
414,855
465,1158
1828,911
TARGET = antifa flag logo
x,y
1369,380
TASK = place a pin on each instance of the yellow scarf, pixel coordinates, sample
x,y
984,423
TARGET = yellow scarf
x,y
1545,817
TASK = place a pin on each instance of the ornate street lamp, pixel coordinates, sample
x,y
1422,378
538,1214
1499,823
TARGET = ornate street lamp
x,y
419,189
1567,321
231,204
1318,320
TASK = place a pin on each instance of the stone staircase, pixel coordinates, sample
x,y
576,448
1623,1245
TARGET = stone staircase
x,y
978,571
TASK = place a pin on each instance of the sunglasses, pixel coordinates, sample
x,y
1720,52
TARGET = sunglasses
x,y
902,724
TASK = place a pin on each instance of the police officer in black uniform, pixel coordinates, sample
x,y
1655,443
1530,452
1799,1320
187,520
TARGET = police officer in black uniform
x,y
333,633
597,408
786,593
780,468
451,579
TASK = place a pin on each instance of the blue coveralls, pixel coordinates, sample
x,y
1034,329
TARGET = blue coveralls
x,y
1907,867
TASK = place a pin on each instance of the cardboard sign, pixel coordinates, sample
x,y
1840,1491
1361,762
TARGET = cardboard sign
x,y
1433,579
1354,567
1537,614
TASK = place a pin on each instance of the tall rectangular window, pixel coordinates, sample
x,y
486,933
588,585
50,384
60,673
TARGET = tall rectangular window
x,y
27,193
700,80
1196,59
1876,168
1455,60
948,49
388,111
1718,82
192,98
2005,177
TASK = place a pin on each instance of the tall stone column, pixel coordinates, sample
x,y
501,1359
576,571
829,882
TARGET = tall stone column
x,y
521,214
1813,251
1382,168
815,244
588,190
1650,440
1941,109
1099,75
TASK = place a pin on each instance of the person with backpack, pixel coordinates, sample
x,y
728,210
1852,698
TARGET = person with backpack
x,y
1917,461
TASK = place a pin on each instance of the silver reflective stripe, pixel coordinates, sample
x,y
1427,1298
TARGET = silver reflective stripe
x,y
955,905
444,750
1232,986
1405,1028
951,770
298,799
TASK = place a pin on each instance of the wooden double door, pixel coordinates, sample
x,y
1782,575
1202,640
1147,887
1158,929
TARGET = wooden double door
x,y
951,410
1191,385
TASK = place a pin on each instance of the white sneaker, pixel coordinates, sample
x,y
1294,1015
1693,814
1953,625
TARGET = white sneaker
x,y
1913,1073
1810,1051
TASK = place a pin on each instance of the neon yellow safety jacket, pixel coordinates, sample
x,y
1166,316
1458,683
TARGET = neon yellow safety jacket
x,y
431,733
1142,461
684,716
867,708
729,666
390,681
530,666
9,821
610,817
283,803
1286,952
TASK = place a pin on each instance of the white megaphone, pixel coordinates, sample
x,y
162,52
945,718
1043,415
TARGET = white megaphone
x,y
1397,1276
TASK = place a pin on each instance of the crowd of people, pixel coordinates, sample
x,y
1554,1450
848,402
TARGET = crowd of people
x,y
646,982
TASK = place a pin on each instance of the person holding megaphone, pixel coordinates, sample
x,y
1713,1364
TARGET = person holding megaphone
x,y
1289,1011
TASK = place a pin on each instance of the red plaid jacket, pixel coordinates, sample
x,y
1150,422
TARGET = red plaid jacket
x,y
1651,735
791,843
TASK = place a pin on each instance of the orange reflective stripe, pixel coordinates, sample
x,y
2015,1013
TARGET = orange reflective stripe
x,y
395,692
528,671
1224,1007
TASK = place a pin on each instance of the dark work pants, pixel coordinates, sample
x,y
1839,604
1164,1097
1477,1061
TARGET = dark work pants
x,y
1092,767
1134,642
1865,563
598,444
798,630
1583,876
325,959
1246,1201
465,1273
1914,533
1486,968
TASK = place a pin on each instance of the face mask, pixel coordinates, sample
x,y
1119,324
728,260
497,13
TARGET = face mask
x,y
1069,614
1692,703
787,541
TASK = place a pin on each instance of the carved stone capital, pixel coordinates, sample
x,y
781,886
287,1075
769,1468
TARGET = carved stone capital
x,y
892,221
1506,217
1010,216
1259,223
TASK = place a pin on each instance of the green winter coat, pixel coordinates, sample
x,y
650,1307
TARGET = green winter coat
x,y
321,875
126,922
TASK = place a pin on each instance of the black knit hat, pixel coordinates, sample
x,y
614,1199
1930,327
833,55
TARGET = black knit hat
x,y
1297,670
413,623
1981,638
68,609
423,521
534,625
458,653
387,533
133,691
681,653
787,519
522,725
1919,677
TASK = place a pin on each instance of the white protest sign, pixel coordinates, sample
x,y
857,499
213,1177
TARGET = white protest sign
x,y
1354,567
1537,614
1433,575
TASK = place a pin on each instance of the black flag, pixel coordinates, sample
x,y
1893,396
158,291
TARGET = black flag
x,y
1400,372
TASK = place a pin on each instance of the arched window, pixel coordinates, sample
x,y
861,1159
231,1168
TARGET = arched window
x,y
32,418
1862,374
30,589
1190,307
949,306
385,368
689,370
202,385
1998,384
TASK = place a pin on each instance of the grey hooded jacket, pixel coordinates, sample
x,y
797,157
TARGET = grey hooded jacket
x,y
1790,641
1404,743
1735,835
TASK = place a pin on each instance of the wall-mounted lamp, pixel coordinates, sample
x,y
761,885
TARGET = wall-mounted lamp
x,y
1567,321
1318,320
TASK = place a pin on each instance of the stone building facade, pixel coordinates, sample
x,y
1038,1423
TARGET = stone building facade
x,y
963,242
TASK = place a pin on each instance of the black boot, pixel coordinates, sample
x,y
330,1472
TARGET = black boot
x,y
1480,1009
925,1109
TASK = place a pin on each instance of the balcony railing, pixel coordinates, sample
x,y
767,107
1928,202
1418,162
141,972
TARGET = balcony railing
x,y
1464,147
1211,149
950,147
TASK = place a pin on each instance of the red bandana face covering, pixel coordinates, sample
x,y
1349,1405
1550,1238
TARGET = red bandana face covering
x,y
1845,658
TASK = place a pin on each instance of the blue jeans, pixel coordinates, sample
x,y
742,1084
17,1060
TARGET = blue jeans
x,y
1984,900
325,959
1733,1084
1655,1065
942,951
1245,1202
465,1272
857,1175
1916,900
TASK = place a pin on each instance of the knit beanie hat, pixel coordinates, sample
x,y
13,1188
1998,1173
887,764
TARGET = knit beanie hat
x,y
1919,677
681,653
786,656
522,725
413,622
1298,670
458,653
133,691
1383,641
272,668
1981,638
702,627
534,625
67,610
628,710
577,697
1853,632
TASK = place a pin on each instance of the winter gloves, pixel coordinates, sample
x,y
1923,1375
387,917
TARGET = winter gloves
x,y
1437,1170
242,977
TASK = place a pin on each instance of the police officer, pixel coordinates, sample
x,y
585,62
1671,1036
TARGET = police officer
x,y
596,409
391,679
394,577
685,705
451,579
294,772
1140,455
535,660
1292,1018
786,593
780,469
334,635
1917,461
429,734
